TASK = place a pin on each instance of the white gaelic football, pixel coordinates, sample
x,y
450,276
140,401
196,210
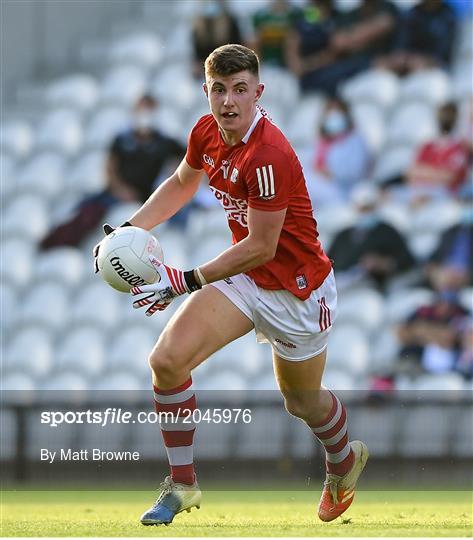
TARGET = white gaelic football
x,y
124,258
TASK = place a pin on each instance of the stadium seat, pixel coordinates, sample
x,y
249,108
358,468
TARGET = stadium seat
x,y
325,222
208,249
82,350
17,138
9,301
123,85
450,384
399,306
265,384
375,86
96,304
60,130
169,121
303,122
384,352
397,215
143,48
174,243
79,91
87,173
43,174
393,161
224,380
120,380
70,381
242,9
210,222
363,307
348,350
47,304
244,356
30,351
131,349
280,87
16,263
338,379
431,85
14,382
174,85
26,215
105,125
369,119
419,114
422,244
435,216
8,183
466,298
462,77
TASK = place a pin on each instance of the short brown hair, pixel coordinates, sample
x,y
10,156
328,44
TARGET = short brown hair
x,y
231,59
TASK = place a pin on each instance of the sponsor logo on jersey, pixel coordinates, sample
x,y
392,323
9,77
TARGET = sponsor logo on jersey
x,y
236,209
129,277
265,178
234,175
301,281
225,168
286,344
207,159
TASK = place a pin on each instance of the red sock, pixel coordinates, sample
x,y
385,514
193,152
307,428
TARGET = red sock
x,y
178,436
333,434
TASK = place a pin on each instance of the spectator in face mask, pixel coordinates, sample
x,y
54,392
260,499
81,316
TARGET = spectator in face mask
x,y
135,160
371,248
341,159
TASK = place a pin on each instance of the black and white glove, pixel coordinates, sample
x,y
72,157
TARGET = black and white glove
x,y
107,229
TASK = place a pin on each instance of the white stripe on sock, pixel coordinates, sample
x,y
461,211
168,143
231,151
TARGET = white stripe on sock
x,y
180,455
337,437
338,457
332,422
174,398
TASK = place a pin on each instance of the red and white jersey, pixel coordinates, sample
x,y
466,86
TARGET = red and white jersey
x,y
263,172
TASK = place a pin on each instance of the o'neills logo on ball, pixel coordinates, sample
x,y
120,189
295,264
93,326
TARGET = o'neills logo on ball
x,y
129,277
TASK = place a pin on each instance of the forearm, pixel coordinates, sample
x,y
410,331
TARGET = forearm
x,y
166,200
241,257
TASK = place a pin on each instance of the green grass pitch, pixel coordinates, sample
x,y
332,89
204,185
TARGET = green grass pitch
x,y
237,513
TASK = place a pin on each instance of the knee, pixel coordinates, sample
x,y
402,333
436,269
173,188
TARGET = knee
x,y
165,364
306,405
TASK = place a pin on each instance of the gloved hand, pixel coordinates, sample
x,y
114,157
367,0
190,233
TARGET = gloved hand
x,y
107,229
171,283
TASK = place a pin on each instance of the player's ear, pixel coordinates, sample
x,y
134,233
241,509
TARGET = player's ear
x,y
259,91
206,89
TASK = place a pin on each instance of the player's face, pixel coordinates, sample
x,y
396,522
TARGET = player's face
x,y
233,100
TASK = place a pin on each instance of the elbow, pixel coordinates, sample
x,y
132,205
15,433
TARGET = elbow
x,y
267,253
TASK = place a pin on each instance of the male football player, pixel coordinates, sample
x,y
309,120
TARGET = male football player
x,y
275,279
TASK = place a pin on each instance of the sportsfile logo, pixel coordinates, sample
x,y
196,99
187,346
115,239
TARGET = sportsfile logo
x,y
129,277
236,209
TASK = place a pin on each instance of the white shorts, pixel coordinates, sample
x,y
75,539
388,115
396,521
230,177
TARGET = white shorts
x,y
296,329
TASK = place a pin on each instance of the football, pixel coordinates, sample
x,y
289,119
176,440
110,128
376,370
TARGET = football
x,y
124,258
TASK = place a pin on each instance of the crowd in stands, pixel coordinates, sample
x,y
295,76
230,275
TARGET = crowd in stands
x,y
323,45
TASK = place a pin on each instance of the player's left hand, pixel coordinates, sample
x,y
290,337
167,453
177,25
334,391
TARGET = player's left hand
x,y
170,284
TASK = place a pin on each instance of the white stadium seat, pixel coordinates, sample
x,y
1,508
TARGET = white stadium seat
x,y
64,265
280,87
399,306
61,130
375,86
26,215
422,244
143,48
397,215
266,384
338,379
348,350
208,249
364,307
16,382
174,243
466,298
121,212
87,174
79,91
169,121
303,122
131,349
223,381
207,223
105,125
431,85
122,380
450,383
462,77
72,382
418,114
30,351
47,304
16,262
435,216
17,137
9,302
44,174
384,351
97,304
244,356
123,85
174,85
8,176
82,350
393,161
370,121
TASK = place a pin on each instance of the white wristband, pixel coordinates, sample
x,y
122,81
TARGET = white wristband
x,y
202,280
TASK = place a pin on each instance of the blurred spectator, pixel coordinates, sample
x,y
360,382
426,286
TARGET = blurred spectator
x,y
213,26
464,363
327,47
427,38
341,158
271,26
451,265
370,248
431,337
440,165
135,159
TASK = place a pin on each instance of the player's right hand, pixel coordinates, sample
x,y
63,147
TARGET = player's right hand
x,y
107,229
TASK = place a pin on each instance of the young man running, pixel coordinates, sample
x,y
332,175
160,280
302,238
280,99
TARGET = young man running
x,y
275,279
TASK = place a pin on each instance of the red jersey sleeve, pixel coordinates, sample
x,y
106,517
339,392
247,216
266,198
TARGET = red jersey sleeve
x,y
193,153
269,178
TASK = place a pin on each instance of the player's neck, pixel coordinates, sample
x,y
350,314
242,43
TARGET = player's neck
x,y
231,138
